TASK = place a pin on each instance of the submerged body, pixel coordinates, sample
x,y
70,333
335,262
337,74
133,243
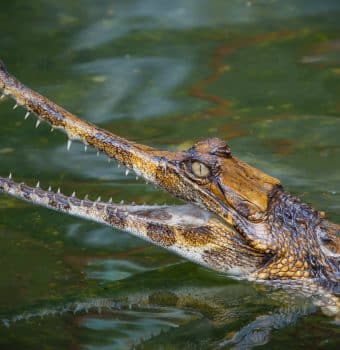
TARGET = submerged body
x,y
239,220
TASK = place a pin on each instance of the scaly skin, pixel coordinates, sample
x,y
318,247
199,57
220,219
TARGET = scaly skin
x,y
239,220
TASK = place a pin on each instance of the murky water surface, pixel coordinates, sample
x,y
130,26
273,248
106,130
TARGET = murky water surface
x,y
263,75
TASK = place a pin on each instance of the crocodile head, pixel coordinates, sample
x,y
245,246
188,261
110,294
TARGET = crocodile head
x,y
238,220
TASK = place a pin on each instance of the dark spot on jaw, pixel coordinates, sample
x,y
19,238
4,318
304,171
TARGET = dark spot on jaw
x,y
52,203
100,206
116,217
65,207
47,111
162,235
159,174
26,191
62,202
197,236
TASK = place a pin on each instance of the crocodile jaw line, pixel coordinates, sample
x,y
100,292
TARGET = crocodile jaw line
x,y
187,230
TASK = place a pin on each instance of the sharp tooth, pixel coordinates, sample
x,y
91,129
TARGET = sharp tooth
x,y
137,178
109,159
73,194
58,190
15,106
10,176
122,201
27,115
98,199
49,189
116,210
127,172
85,148
37,185
98,154
118,165
133,203
86,197
52,129
69,144
110,200
37,123
2,96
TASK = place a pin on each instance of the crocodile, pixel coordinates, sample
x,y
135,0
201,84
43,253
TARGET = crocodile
x,y
237,219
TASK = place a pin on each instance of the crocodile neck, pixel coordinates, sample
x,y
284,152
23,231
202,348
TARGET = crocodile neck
x,y
300,235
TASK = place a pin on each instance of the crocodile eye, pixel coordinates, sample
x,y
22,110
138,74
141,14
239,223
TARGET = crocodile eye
x,y
200,169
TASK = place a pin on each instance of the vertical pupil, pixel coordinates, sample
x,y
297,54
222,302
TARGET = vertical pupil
x,y
200,169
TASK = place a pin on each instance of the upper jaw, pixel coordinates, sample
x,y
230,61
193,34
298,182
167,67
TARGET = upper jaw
x,y
159,167
162,168
144,160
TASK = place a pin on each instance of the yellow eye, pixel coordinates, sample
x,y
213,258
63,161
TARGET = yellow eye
x,y
200,169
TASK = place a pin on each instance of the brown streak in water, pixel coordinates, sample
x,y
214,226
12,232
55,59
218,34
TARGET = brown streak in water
x,y
282,147
223,105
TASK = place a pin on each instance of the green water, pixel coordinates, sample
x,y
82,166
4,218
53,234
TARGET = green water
x,y
264,75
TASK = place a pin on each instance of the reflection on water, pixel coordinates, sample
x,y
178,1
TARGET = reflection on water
x,y
99,237
124,17
112,270
262,75
129,328
137,87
